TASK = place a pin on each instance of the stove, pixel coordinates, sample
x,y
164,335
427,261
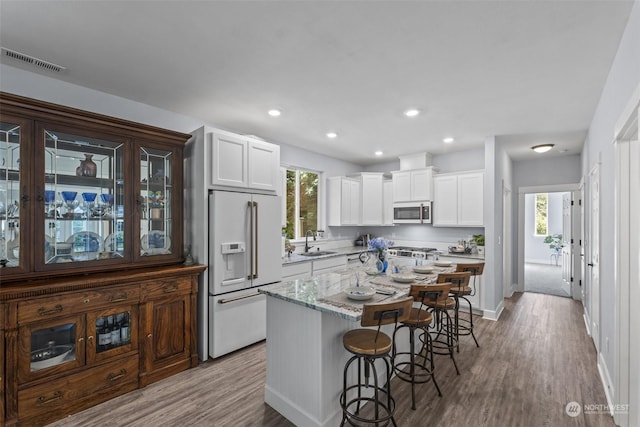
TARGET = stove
x,y
408,251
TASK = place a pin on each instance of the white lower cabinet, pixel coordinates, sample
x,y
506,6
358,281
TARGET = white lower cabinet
x,y
328,265
299,270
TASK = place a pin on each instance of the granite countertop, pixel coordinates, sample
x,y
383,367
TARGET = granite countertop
x,y
325,292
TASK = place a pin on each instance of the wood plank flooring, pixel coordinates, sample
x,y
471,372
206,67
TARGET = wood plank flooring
x,y
531,363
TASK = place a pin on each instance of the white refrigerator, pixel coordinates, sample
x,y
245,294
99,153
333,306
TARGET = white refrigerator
x,y
244,254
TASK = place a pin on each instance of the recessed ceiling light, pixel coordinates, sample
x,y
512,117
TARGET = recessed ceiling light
x,y
331,135
411,112
448,140
274,112
542,148
378,153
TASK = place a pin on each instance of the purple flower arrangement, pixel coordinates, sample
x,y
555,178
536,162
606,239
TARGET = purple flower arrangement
x,y
380,244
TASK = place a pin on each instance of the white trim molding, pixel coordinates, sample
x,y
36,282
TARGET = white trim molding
x,y
494,314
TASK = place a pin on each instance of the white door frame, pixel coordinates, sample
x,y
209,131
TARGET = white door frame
x,y
593,255
522,191
627,254
507,291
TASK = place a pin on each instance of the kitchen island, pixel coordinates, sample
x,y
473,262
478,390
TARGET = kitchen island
x,y
306,319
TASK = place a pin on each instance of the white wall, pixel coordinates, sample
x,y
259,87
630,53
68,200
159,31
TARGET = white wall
x,y
535,250
623,78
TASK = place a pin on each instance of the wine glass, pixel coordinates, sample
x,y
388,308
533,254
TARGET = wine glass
x,y
49,198
107,200
69,198
89,200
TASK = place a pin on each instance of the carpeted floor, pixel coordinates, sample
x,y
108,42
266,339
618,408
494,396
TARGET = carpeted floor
x,y
545,279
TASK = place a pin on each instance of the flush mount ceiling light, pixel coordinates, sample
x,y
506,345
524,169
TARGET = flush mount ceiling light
x,y
331,135
274,112
448,140
412,112
378,153
542,148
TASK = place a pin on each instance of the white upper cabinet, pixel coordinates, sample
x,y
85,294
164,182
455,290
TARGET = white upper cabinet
x,y
387,202
413,185
238,161
343,201
459,199
372,205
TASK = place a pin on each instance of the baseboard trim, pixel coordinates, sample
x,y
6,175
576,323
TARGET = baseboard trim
x,y
586,323
493,314
606,382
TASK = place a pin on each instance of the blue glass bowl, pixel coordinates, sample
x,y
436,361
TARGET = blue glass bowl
x,y
69,196
107,198
89,197
49,196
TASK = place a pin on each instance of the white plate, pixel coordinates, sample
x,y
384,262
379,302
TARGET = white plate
x,y
360,293
402,278
155,243
443,263
423,269
114,242
85,242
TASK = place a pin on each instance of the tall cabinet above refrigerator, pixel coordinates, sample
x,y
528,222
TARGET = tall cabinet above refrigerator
x,y
232,223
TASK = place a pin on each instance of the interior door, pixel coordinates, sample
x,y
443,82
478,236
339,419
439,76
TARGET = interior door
x,y
567,243
594,255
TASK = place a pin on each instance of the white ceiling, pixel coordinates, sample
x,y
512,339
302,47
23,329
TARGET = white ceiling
x,y
527,72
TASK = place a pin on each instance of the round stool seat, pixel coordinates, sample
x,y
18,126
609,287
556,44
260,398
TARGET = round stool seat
x,y
363,341
447,304
418,318
464,290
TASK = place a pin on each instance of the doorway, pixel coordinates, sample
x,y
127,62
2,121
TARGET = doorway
x,y
548,240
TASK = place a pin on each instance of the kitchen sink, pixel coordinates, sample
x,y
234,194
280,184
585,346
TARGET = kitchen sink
x,y
317,253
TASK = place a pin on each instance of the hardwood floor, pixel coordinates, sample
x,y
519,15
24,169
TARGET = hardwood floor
x,y
531,363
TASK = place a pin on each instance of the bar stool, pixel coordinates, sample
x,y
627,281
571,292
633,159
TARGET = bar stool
x,y
367,346
440,304
476,269
419,368
459,287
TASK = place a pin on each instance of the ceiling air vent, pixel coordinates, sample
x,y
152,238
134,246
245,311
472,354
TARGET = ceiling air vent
x,y
32,61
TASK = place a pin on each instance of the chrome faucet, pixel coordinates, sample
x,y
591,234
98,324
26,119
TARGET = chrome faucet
x,y
306,240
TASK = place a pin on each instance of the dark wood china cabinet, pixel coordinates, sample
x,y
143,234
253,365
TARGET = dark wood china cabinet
x,y
94,300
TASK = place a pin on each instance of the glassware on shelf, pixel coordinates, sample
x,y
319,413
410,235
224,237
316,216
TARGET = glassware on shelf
x,y
49,199
107,203
70,202
87,167
89,202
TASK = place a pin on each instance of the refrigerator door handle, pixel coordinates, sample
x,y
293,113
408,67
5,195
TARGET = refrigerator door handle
x,y
250,276
255,242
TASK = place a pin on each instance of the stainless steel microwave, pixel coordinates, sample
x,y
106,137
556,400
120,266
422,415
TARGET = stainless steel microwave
x,y
412,213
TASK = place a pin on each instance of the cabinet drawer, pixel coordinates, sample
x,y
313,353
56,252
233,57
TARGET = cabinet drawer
x,y
296,269
77,302
68,392
329,263
160,288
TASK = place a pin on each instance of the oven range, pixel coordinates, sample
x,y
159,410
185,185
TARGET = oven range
x,y
407,251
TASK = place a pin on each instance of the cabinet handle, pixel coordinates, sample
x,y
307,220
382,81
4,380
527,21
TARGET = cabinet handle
x,y
115,377
44,312
149,336
80,340
42,400
86,300
25,197
169,288
121,297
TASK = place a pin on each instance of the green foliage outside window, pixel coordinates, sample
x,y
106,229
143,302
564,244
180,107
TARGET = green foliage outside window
x,y
542,209
302,203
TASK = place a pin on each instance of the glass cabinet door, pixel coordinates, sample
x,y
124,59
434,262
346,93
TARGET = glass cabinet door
x,y
12,193
156,199
84,197
53,346
111,332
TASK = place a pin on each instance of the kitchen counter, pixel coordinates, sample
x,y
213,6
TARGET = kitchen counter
x,y
345,250
306,319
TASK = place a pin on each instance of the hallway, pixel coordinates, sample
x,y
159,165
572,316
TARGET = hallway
x,y
545,279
